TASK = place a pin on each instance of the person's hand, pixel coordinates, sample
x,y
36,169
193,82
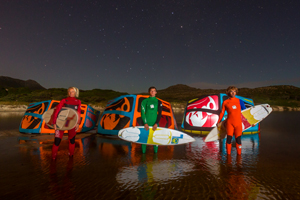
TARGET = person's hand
x,y
54,126
146,127
76,127
154,127
219,125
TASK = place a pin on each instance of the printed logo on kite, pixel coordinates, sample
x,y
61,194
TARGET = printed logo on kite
x,y
210,102
202,118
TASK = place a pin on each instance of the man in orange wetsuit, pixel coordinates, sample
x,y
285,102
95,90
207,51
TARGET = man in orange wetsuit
x,y
233,106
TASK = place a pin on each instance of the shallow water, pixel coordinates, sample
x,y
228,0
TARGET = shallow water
x,y
109,168
10,120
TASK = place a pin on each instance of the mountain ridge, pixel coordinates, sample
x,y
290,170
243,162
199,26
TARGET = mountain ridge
x,y
8,82
278,95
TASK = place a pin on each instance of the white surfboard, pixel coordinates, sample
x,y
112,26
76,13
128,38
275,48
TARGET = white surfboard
x,y
161,136
216,133
250,117
66,120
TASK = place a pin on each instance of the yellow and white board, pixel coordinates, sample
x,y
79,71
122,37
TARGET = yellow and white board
x,y
161,136
250,117
66,119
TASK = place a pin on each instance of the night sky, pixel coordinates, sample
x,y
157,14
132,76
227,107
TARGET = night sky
x,y
130,45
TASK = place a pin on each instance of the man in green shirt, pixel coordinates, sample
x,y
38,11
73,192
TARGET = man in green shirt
x,y
151,109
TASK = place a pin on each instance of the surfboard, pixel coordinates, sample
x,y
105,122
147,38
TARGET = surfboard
x,y
161,136
216,133
66,119
250,117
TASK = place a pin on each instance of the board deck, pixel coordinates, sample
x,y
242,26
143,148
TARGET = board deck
x,y
250,117
161,136
66,120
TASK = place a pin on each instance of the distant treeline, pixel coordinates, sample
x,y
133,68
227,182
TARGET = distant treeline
x,y
283,95
25,95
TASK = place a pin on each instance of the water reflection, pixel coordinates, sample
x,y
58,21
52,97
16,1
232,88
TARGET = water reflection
x,y
250,144
61,187
39,148
209,155
11,114
110,168
236,169
10,120
112,147
156,171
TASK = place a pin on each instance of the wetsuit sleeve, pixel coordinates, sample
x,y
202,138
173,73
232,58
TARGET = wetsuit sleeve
x,y
243,107
222,113
58,108
159,110
79,112
143,111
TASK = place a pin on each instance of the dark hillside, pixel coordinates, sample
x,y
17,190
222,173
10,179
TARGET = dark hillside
x,y
281,95
15,90
8,82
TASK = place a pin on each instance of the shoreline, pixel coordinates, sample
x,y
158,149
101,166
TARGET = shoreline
x,y
177,107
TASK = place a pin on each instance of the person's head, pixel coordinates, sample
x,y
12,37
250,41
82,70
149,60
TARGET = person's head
x,y
152,91
231,91
73,92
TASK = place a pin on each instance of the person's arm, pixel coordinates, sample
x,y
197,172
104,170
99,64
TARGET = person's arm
x,y
143,111
159,110
222,113
243,107
79,115
79,112
57,110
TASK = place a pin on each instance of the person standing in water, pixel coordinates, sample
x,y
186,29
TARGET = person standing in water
x,y
233,123
151,109
72,102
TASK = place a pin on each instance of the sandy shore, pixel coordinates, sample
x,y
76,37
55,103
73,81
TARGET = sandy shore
x,y
22,108
282,108
13,108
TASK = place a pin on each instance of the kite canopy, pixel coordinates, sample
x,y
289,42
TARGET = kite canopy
x,y
125,111
202,114
32,121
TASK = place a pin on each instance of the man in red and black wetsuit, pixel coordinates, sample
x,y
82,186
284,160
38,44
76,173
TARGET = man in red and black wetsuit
x,y
70,102
233,106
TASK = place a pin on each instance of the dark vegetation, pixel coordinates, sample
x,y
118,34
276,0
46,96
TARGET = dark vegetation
x,y
281,95
25,95
15,93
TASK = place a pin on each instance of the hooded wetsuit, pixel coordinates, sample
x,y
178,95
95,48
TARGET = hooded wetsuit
x,y
233,106
70,102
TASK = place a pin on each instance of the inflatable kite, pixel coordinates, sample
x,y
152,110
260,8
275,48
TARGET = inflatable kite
x,y
202,114
32,121
125,111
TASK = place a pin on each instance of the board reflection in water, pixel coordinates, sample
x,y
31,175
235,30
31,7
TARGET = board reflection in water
x,y
153,172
